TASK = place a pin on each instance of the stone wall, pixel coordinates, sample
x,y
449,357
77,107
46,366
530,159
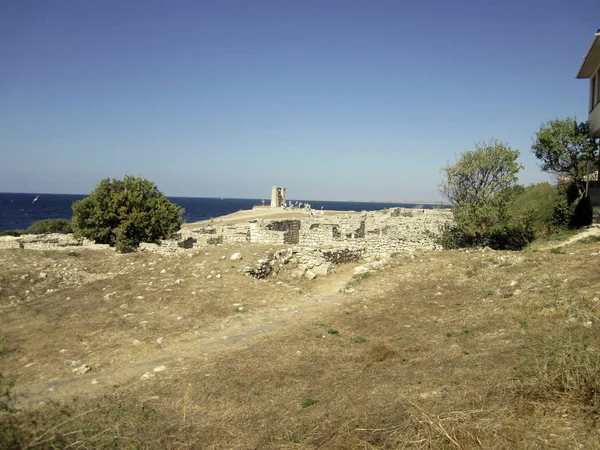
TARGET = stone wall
x,y
374,233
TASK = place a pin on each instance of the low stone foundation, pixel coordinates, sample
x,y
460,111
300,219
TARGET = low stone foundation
x,y
373,234
316,243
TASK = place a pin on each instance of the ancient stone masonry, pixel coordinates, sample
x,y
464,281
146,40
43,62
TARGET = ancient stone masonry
x,y
51,241
277,196
374,234
318,241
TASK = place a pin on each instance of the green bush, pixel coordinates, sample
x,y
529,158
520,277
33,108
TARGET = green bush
x,y
15,233
62,226
533,209
582,214
124,213
510,237
452,236
563,212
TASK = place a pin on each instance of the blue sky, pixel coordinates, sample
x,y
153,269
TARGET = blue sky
x,y
336,100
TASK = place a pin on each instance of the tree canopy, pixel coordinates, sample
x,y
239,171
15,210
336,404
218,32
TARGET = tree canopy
x,y
125,213
564,147
480,184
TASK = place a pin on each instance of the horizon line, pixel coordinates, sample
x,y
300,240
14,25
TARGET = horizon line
x,y
411,202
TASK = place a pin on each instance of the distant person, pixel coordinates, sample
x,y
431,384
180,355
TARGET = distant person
x,y
263,202
321,210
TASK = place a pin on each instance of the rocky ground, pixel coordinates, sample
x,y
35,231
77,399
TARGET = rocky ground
x,y
89,318
434,350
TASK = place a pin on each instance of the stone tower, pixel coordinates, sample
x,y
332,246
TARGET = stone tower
x,y
277,196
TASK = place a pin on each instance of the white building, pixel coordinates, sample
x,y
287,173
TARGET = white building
x,y
590,68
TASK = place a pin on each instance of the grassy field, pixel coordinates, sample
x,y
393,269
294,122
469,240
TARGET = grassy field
x,y
450,349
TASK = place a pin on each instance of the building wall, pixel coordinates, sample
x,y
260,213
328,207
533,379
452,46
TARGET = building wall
x,y
594,119
594,116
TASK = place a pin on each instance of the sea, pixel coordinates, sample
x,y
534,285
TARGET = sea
x,y
19,210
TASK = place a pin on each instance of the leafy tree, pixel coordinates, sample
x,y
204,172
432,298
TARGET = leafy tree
x,y
125,212
564,147
479,187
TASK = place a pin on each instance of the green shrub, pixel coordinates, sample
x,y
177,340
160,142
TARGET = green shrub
x,y
124,213
534,207
582,214
62,226
562,214
453,236
15,233
510,237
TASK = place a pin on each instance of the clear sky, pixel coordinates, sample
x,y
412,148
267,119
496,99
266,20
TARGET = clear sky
x,y
334,99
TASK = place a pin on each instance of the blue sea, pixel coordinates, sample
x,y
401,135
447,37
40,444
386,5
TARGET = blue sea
x,y
18,211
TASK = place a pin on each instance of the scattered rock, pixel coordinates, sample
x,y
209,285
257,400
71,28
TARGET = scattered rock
x,y
43,275
236,257
218,275
360,270
159,369
298,273
310,275
137,343
160,340
147,376
83,369
163,271
513,283
72,363
178,281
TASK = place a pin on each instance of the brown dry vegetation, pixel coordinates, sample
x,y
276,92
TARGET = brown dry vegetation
x,y
443,350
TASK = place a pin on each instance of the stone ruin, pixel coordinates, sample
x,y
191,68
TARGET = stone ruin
x,y
312,245
374,234
277,196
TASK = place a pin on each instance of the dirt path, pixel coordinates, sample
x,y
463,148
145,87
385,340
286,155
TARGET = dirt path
x,y
594,230
231,333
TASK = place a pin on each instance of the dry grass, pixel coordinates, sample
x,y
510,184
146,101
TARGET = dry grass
x,y
460,350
